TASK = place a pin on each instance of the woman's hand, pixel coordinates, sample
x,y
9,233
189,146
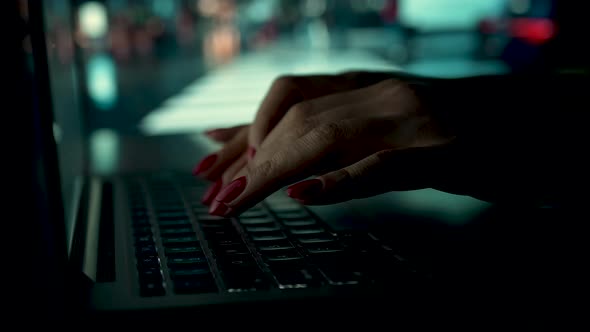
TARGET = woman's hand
x,y
242,142
358,141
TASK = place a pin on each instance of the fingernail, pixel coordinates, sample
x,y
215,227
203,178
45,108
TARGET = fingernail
x,y
205,164
251,152
211,192
305,189
213,133
233,190
218,209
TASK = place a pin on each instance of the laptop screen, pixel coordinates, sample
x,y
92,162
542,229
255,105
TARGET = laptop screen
x,y
66,102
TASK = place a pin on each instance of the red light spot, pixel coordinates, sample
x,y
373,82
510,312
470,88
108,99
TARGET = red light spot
x,y
534,30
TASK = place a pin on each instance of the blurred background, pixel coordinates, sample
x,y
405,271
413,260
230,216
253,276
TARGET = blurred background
x,y
151,67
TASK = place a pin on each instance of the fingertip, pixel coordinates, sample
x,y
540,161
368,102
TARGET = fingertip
x,y
251,152
205,164
211,192
218,209
305,190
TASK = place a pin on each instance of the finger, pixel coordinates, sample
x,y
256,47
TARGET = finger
x,y
270,170
211,192
234,168
381,172
283,94
223,135
307,114
227,176
213,165
288,91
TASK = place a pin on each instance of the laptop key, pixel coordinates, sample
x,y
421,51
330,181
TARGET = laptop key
x,y
141,222
240,282
190,241
287,252
237,260
150,276
176,222
194,284
218,243
233,249
187,234
297,214
148,250
257,221
177,230
269,236
315,238
148,289
183,250
212,226
228,233
238,264
139,213
171,214
253,214
299,223
148,262
196,272
271,227
341,276
209,219
283,258
186,265
274,245
142,231
297,278
172,218
333,256
176,261
304,231
144,240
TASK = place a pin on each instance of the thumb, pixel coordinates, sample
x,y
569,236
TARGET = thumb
x,y
383,171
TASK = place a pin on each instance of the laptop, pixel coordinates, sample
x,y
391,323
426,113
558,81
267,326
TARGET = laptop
x,y
137,243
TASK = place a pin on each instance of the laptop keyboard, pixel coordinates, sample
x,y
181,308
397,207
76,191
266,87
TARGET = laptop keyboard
x,y
181,249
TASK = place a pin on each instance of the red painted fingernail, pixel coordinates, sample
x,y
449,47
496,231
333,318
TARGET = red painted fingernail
x,y
211,192
205,164
305,189
251,152
233,190
214,133
218,209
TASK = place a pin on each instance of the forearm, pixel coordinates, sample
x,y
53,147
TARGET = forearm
x,y
527,134
518,138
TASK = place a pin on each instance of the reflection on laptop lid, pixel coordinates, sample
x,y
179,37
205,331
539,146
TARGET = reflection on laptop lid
x,y
42,264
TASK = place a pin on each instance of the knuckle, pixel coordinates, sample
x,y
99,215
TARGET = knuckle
x,y
284,82
388,85
390,82
263,169
305,127
299,113
332,131
384,157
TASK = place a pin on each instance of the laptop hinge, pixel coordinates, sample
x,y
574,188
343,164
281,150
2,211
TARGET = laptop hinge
x,y
92,245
